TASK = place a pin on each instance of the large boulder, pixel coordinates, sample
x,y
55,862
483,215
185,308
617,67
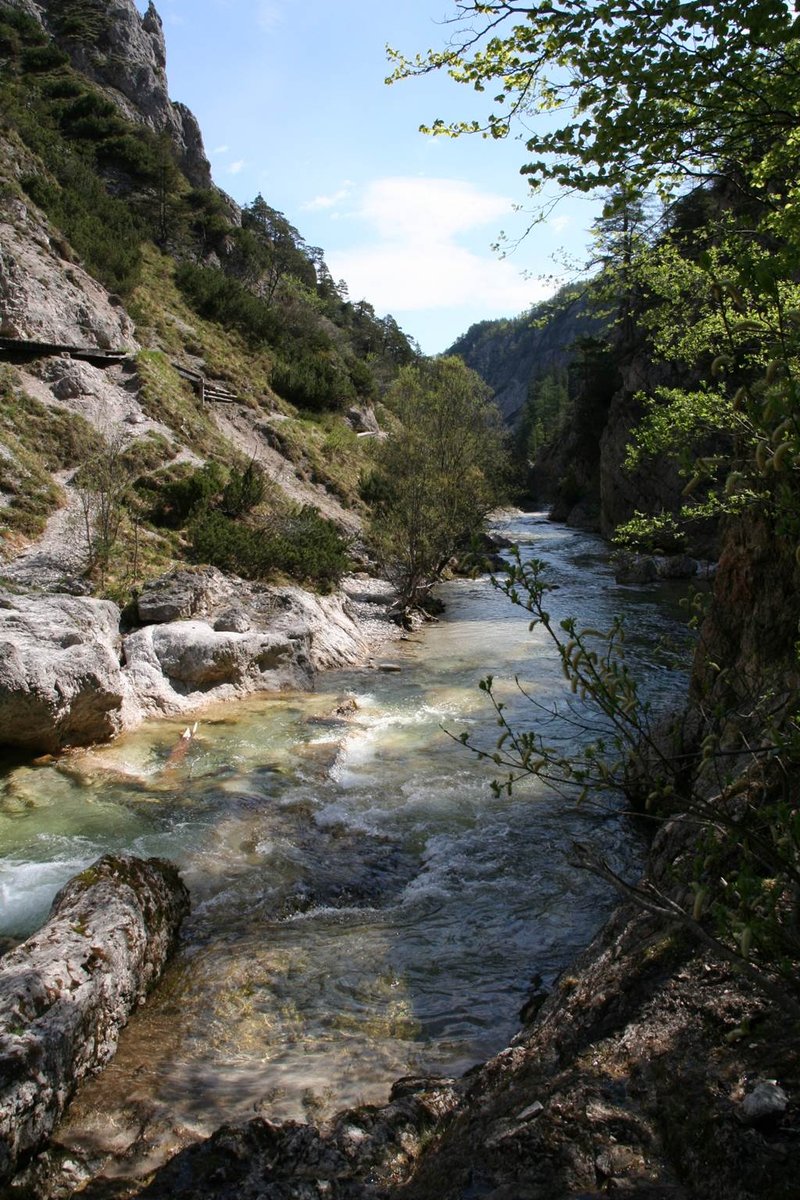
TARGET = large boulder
x,y
66,993
61,682
181,594
193,657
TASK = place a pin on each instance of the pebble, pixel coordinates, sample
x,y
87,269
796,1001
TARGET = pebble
x,y
767,1101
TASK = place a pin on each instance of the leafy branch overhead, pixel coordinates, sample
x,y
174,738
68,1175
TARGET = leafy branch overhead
x,y
614,92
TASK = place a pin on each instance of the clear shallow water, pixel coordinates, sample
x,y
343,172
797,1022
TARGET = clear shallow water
x,y
363,905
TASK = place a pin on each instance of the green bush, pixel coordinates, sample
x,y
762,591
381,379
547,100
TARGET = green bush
x,y
220,298
37,59
103,230
244,490
181,498
303,546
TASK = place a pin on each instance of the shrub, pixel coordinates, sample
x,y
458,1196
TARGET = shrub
x,y
244,490
181,498
302,545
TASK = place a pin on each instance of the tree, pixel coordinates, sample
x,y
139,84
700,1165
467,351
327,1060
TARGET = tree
x,y
280,251
437,476
700,99
644,90
102,483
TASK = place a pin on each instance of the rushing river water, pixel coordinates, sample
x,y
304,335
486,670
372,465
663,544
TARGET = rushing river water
x,y
363,905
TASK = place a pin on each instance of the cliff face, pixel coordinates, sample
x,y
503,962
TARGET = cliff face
x,y
510,355
125,54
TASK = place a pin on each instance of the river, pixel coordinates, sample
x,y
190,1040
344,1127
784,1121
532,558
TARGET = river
x,y
363,905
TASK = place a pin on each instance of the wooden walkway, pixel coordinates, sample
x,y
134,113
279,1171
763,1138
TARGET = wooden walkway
x,y
204,388
22,348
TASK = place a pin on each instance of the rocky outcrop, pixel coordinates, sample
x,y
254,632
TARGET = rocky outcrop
x,y
361,1153
66,993
511,355
60,678
124,52
44,295
69,678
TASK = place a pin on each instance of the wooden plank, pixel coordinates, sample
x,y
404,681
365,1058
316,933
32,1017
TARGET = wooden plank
x,y
28,348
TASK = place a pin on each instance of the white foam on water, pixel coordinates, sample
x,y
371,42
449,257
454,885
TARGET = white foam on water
x,y
27,890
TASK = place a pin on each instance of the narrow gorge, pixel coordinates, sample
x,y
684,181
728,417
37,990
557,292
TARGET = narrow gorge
x,y
398,793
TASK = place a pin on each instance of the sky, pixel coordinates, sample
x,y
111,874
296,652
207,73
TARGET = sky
x,y
291,99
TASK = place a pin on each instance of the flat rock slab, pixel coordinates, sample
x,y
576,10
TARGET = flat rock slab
x,y
67,992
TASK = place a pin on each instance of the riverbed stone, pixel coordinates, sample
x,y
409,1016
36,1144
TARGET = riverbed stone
x,y
60,678
360,1153
66,993
766,1103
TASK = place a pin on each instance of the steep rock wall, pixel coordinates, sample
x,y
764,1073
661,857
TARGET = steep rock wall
x,y
125,53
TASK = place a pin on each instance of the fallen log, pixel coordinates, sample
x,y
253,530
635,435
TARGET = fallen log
x,y
66,993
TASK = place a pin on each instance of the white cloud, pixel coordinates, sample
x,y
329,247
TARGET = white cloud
x,y
559,224
320,203
234,168
434,210
220,150
417,259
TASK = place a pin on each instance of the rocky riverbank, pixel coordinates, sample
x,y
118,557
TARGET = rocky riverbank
x,y
651,1071
76,670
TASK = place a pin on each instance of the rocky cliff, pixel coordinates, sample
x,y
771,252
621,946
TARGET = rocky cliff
x,y
512,354
111,43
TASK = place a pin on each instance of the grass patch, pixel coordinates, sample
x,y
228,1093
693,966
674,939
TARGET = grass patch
x,y
166,397
35,440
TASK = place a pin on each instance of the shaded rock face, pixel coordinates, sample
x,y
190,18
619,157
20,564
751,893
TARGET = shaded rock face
x,y
511,355
60,678
126,56
66,993
360,1153
751,626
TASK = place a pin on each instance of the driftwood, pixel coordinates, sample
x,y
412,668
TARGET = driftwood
x,y
66,993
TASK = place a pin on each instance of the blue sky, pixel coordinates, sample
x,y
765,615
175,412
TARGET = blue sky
x,y
291,99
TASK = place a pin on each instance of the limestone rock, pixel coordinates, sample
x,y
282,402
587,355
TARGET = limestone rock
x,y
128,59
181,594
44,297
196,657
233,620
60,678
66,993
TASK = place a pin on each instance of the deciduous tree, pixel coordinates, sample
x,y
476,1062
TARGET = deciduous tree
x,y
437,475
